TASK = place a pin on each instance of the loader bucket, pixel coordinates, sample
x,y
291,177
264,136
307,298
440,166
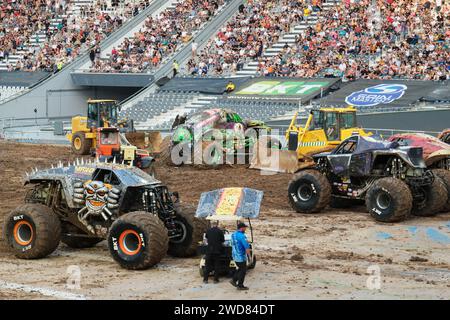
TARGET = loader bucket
x,y
277,160
149,141
271,159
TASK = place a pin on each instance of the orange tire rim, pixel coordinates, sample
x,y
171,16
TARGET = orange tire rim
x,y
130,242
23,233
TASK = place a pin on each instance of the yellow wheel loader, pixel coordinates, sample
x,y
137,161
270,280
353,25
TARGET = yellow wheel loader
x,y
325,128
104,114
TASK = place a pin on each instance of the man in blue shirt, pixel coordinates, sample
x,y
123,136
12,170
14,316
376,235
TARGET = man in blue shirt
x,y
241,248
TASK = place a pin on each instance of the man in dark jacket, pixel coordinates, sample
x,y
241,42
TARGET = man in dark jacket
x,y
215,248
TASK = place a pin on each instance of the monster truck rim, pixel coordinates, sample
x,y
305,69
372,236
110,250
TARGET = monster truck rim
x,y
130,242
383,200
305,192
77,143
23,233
180,227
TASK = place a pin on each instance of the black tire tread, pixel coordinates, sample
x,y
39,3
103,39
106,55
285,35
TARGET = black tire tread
x,y
157,238
200,226
86,144
437,202
325,196
404,199
47,233
445,176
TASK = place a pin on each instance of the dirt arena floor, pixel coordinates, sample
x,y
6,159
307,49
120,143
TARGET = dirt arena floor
x,y
338,254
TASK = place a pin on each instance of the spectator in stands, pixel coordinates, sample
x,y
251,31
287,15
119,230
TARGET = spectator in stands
x,y
374,39
64,37
355,39
175,67
92,56
161,36
256,26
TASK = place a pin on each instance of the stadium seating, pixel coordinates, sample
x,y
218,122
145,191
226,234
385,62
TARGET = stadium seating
x,y
9,91
160,37
57,31
158,110
251,33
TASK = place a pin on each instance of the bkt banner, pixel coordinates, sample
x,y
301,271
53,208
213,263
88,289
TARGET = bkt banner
x,y
290,87
375,95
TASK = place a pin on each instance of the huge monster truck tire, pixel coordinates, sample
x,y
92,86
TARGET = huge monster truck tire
x,y
436,196
309,191
138,240
32,231
81,145
192,232
445,176
389,200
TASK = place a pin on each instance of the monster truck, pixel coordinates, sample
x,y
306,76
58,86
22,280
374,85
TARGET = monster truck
x,y
436,154
220,133
393,180
84,203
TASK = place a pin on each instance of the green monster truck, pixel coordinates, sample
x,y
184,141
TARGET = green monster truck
x,y
221,134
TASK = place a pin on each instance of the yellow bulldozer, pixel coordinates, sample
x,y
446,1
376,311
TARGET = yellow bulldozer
x,y
105,114
325,128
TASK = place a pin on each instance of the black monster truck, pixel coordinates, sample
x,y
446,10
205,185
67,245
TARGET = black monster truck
x,y
393,181
83,204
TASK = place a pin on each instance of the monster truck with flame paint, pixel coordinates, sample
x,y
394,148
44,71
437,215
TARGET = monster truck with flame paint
x,y
220,132
84,203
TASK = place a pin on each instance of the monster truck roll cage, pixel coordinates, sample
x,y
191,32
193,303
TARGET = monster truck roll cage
x,y
156,200
393,168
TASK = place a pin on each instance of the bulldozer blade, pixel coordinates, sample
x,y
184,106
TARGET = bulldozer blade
x,y
149,141
270,159
276,160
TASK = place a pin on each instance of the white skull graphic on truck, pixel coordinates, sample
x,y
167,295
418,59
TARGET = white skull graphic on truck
x,y
97,197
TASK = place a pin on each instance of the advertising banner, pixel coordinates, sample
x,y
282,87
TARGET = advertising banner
x,y
380,93
285,88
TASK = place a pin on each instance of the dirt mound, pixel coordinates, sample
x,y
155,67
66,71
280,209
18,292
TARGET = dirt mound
x,y
191,181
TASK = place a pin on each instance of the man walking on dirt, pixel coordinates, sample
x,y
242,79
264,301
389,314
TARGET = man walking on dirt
x,y
241,248
215,248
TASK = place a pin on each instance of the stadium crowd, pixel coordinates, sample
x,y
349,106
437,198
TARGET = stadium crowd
x,y
355,39
374,39
159,37
257,25
75,33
